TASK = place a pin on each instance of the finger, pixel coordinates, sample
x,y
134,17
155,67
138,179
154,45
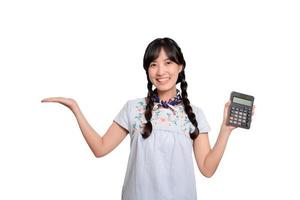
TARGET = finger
x,y
226,107
50,99
226,110
228,103
47,99
253,110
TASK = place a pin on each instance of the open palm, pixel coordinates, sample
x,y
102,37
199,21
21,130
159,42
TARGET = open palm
x,y
68,102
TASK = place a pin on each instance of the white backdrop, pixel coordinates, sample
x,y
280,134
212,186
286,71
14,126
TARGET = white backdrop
x,y
92,51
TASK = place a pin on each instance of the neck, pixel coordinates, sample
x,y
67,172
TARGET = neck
x,y
166,95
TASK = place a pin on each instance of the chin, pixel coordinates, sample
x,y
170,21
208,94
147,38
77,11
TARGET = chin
x,y
163,87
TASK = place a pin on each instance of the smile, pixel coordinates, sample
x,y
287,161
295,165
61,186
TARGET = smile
x,y
162,80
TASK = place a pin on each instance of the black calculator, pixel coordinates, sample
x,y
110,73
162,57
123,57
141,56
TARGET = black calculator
x,y
240,111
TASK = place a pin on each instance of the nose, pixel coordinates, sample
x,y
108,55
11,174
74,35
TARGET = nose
x,y
161,69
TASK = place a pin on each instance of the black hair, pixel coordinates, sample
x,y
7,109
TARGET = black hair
x,y
174,53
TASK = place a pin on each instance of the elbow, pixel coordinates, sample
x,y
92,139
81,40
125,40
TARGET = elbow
x,y
208,175
98,154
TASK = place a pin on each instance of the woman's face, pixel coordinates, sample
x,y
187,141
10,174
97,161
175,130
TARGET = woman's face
x,y
163,72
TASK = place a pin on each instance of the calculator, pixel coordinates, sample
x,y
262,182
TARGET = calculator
x,y
240,110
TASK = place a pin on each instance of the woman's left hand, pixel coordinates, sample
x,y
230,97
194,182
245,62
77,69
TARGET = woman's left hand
x,y
229,128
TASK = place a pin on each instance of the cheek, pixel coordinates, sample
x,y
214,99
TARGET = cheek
x,y
175,77
150,74
175,74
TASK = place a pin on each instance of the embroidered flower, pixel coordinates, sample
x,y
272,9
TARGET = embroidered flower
x,y
174,119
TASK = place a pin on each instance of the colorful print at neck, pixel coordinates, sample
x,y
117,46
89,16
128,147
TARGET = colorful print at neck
x,y
172,101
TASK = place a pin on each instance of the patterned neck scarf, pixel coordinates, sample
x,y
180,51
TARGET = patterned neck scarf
x,y
171,103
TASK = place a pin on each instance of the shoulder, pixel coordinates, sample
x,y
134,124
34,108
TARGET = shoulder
x,y
137,101
134,103
203,124
196,108
198,111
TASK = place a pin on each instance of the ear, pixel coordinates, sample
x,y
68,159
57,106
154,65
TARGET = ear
x,y
180,68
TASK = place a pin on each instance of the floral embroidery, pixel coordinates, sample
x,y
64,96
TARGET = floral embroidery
x,y
174,119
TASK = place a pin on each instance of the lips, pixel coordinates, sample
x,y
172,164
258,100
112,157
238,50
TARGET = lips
x,y
163,80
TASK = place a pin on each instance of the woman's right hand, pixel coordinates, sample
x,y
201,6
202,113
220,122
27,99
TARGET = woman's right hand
x,y
68,102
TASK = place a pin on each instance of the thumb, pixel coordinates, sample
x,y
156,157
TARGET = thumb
x,y
228,103
226,107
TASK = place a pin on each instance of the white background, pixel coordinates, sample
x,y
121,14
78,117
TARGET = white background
x,y
92,51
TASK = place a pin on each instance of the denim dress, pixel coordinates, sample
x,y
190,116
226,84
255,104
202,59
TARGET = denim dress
x,y
160,167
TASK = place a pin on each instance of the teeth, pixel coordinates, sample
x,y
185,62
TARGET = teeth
x,y
163,79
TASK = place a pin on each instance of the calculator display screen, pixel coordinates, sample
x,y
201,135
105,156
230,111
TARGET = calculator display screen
x,y
242,101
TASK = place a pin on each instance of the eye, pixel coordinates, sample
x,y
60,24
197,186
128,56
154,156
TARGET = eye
x,y
169,62
152,65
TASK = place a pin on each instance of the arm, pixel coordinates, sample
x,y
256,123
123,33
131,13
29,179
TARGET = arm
x,y
208,159
100,146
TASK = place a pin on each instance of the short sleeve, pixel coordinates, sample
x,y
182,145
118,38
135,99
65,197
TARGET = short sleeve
x,y
122,118
203,124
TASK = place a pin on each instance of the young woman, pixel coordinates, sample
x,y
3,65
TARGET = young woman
x,y
164,128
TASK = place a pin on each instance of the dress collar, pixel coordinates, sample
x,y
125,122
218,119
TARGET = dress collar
x,y
171,103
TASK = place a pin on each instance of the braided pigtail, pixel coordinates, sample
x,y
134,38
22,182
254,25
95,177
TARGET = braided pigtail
x,y
187,107
148,113
174,53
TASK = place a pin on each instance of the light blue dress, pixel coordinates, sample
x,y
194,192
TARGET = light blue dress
x,y
161,166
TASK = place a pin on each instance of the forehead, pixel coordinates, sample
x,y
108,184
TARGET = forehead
x,y
162,55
